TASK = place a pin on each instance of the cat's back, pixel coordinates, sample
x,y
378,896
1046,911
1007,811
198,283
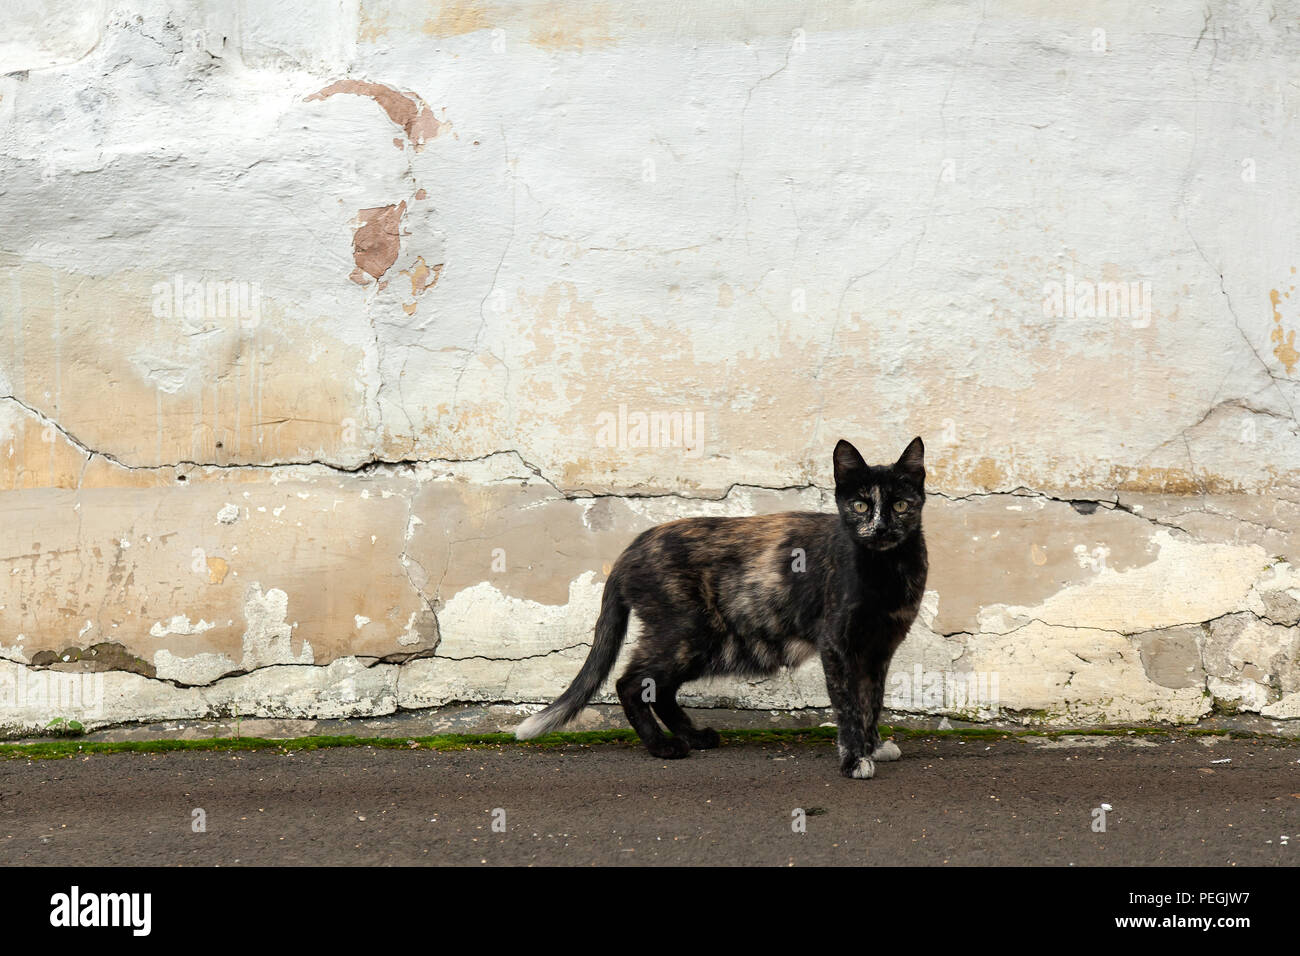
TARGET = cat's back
x,y
706,541
760,576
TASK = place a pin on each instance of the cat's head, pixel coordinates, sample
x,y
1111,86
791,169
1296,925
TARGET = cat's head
x,y
880,505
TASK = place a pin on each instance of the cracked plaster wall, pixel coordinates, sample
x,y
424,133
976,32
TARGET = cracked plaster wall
x,y
326,332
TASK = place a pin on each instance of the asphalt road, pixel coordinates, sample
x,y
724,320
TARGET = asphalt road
x,y
1181,800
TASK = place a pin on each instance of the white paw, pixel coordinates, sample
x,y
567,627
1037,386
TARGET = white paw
x,y
887,751
865,770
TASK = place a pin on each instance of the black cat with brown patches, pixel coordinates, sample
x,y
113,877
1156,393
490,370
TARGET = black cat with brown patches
x,y
747,596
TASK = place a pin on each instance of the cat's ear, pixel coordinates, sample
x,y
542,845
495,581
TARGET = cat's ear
x,y
847,462
912,462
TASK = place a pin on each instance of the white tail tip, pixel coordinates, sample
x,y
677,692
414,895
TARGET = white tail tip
x,y
534,726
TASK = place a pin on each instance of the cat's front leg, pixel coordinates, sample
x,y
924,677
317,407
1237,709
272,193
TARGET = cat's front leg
x,y
874,693
843,685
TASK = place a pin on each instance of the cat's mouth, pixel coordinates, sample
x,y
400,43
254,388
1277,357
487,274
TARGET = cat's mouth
x,y
877,542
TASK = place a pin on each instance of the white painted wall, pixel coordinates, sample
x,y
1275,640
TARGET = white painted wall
x,y
786,222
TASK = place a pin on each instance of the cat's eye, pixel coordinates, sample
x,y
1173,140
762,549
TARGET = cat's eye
x,y
900,506
860,507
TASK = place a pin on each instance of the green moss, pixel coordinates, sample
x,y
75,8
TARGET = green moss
x,y
1220,707
54,749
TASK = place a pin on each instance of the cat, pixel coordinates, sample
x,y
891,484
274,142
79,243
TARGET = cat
x,y
747,596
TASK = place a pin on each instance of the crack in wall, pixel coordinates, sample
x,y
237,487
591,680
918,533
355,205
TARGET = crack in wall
x,y
528,471
511,660
1273,377
376,464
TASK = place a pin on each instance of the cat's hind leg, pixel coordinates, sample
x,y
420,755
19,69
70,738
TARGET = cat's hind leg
x,y
685,648
675,719
637,688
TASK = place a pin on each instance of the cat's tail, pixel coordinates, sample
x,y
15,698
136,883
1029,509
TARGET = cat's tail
x,y
611,629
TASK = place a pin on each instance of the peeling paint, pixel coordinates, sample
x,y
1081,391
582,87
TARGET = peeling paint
x,y
1282,339
376,240
407,110
268,636
179,624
